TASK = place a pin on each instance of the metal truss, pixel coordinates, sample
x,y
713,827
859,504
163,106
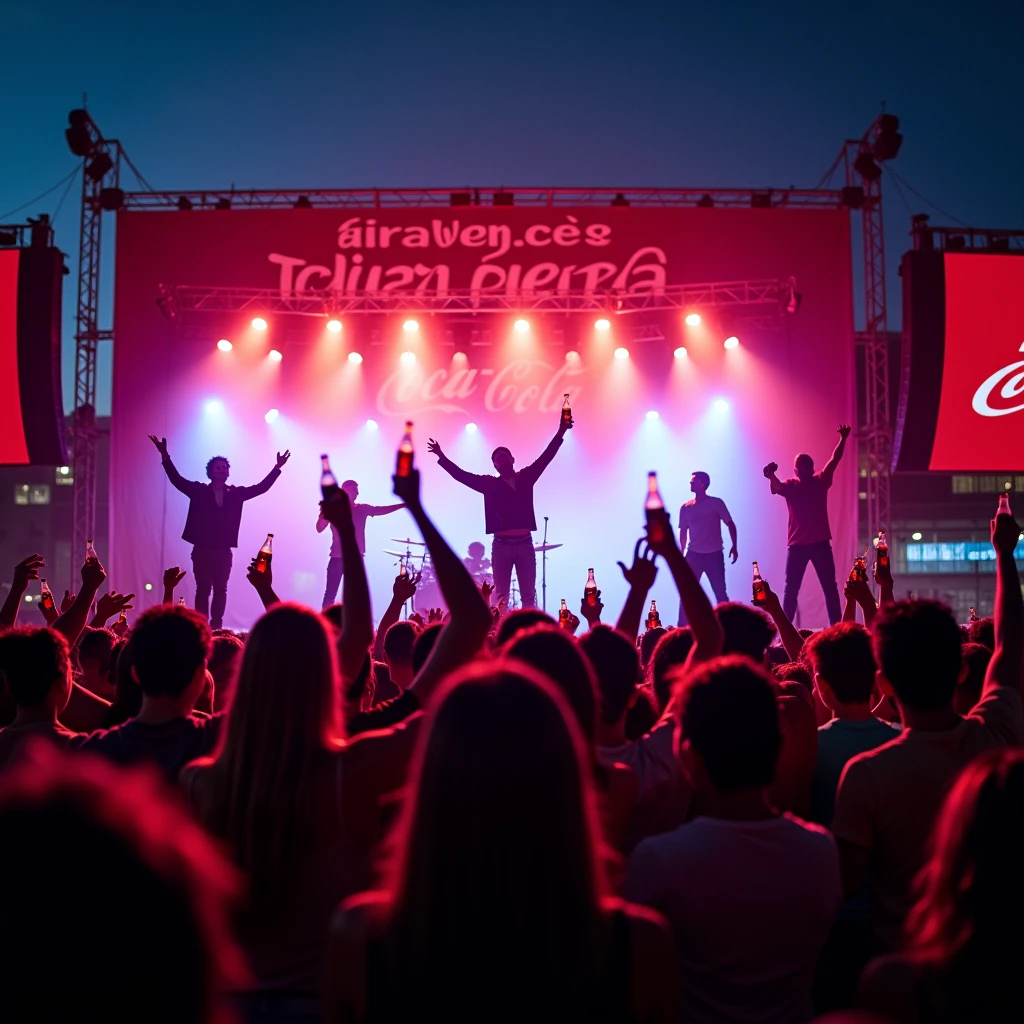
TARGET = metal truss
x,y
376,199
957,239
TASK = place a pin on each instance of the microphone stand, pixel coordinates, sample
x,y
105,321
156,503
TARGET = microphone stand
x,y
544,569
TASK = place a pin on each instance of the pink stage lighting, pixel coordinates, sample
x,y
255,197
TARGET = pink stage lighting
x,y
572,356
622,353
334,326
693,319
259,324
602,324
731,342
274,356
408,358
355,357
224,345
521,326
213,407
411,326
271,415
721,405
371,424
653,414
470,428
460,357
680,353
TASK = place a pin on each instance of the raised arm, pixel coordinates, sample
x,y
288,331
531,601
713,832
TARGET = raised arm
x,y
268,481
109,605
187,487
26,570
790,636
321,523
172,577
471,480
385,510
770,474
73,621
534,470
640,577
830,466
1005,667
470,620
403,589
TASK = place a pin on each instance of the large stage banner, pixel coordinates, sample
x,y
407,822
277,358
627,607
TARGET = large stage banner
x,y
728,412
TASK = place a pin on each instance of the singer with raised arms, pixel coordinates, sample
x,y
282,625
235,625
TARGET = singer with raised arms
x,y
211,526
508,510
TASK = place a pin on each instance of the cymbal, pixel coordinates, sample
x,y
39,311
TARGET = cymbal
x,y
409,540
397,554
545,547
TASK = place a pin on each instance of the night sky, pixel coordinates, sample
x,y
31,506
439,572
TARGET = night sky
x,y
639,94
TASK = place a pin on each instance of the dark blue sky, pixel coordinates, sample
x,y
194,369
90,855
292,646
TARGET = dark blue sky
x,y
386,94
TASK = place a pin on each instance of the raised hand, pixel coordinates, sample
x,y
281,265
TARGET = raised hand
x,y
434,615
259,580
27,569
859,592
408,488
67,601
172,577
661,541
486,589
844,430
282,459
111,603
592,612
404,588
338,511
93,575
643,571
161,444
563,426
418,619
570,625
434,448
770,469
1005,533
883,573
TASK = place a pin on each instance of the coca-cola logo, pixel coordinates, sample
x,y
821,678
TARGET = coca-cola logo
x,y
1003,392
522,386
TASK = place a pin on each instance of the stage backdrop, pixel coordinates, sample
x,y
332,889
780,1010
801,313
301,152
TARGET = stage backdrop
x,y
727,412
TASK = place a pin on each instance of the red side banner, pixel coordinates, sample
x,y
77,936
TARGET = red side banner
x,y
13,445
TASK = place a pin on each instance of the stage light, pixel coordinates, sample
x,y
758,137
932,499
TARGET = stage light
x,y
334,326
355,358
622,353
371,424
274,356
411,326
521,326
731,342
572,356
149,586
653,415
259,324
271,415
64,470
916,536
224,345
693,319
602,324
721,405
460,356
680,353
408,358
470,428
28,598
213,407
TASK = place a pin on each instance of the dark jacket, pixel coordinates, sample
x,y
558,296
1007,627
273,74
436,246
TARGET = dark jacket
x,y
209,525
505,508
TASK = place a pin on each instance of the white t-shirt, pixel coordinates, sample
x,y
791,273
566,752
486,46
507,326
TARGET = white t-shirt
x,y
704,520
750,904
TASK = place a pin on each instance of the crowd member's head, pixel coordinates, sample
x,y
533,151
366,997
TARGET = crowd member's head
x,y
748,631
332,613
729,728
36,667
553,652
383,688
983,631
617,667
776,655
170,646
975,659
793,672
398,645
476,550
497,869
424,645
223,666
520,619
642,717
648,641
94,649
670,653
917,648
218,469
803,466
128,695
700,482
159,919
843,665
274,730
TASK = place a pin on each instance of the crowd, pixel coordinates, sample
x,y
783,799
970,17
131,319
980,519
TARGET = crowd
x,y
488,818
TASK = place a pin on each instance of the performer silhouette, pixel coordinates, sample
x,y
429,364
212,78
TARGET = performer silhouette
x,y
702,518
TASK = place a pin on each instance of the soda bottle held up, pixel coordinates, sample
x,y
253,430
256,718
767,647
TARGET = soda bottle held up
x,y
590,590
122,619
972,615
859,572
90,552
266,553
404,464
563,614
45,596
181,602
1004,505
328,482
653,618
403,570
759,588
566,411
881,551
654,508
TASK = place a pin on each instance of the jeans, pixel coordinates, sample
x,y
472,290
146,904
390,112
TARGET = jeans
x,y
820,556
507,552
212,567
335,570
712,565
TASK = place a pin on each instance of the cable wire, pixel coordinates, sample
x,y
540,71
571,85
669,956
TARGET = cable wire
x,y
938,209
56,213
42,195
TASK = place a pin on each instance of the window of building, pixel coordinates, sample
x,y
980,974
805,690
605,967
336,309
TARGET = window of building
x,y
63,476
964,484
988,484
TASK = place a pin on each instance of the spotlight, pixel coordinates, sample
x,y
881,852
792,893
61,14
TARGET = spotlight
x,y
916,536
28,598
63,470
411,326
274,356
622,353
334,326
271,415
653,414
521,326
721,405
77,133
680,353
224,345
731,342
408,358
572,356
149,586
259,324
98,166
371,424
866,167
693,319
460,357
470,428
602,324
355,357
213,407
